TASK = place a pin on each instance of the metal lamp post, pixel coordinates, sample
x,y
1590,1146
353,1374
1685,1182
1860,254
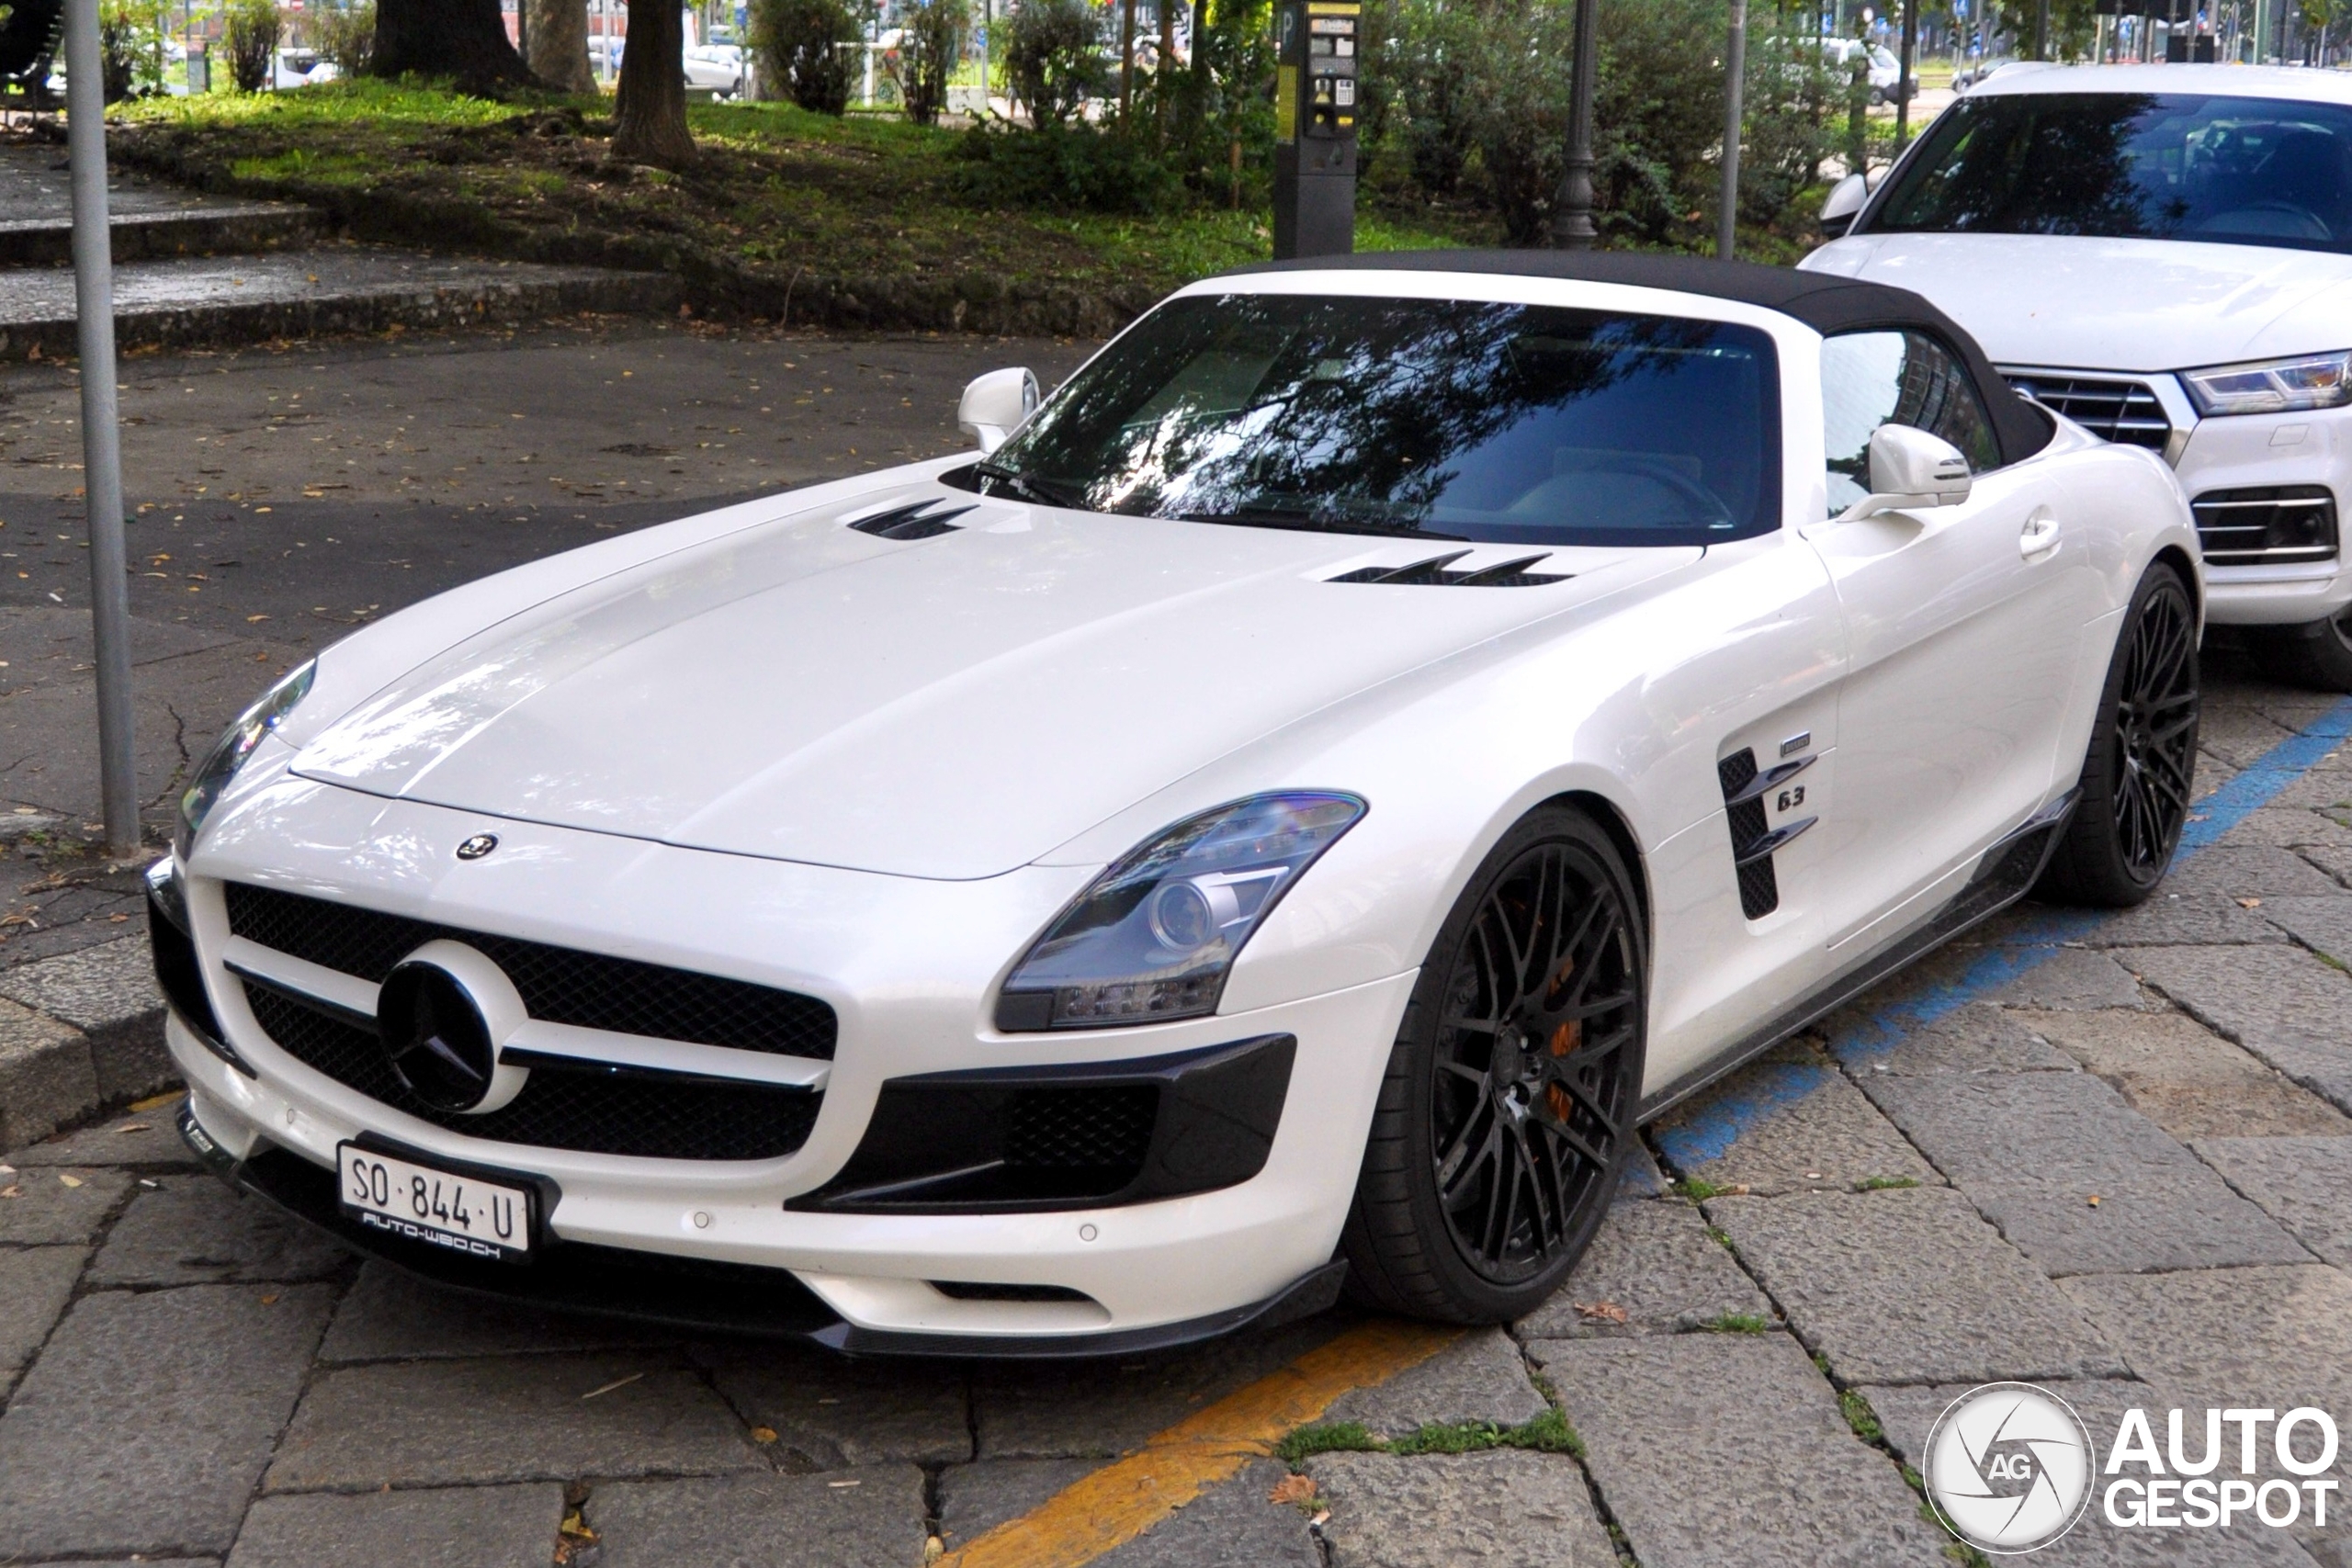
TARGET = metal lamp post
x,y
1735,84
1572,221
85,134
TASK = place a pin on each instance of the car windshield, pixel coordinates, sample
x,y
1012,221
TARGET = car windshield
x,y
2131,165
1453,418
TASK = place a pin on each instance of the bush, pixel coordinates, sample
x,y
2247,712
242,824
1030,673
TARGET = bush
x,y
346,34
1053,58
249,37
1064,167
130,47
931,40
808,48
1481,106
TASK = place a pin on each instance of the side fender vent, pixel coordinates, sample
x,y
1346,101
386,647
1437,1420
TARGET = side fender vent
x,y
1437,572
1753,838
913,521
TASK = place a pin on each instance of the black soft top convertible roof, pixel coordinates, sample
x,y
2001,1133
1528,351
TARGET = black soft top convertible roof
x,y
1821,300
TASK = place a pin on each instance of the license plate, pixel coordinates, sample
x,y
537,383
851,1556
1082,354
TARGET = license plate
x,y
463,1213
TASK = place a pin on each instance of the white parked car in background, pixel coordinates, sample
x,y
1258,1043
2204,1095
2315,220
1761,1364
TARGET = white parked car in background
x,y
2163,254
715,66
1284,811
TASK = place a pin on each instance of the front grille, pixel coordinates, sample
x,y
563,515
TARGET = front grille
x,y
2267,525
558,984
591,1111
2114,410
1081,1129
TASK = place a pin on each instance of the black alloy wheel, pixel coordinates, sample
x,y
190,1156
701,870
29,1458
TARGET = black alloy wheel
x,y
1513,1085
2141,767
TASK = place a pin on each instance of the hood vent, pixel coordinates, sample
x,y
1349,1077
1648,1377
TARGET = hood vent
x,y
1436,572
913,521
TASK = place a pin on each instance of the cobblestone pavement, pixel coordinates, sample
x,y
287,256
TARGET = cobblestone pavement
x,y
2110,1156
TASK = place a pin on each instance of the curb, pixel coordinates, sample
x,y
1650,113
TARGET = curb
x,y
79,1032
528,294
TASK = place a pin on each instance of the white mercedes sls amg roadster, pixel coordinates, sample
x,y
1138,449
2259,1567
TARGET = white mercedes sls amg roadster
x,y
1280,817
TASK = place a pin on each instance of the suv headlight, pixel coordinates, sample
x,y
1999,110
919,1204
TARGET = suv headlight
x,y
2272,386
1154,936
236,744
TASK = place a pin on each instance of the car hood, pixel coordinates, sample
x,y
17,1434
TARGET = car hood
x,y
2067,302
950,706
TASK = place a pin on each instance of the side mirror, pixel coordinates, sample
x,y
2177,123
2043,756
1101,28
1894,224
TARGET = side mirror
x,y
1910,469
1845,203
995,404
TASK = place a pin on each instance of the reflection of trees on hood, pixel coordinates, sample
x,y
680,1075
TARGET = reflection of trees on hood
x,y
1355,409
2030,165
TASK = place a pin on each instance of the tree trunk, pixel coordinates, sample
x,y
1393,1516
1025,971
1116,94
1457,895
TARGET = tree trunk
x,y
559,39
652,107
461,39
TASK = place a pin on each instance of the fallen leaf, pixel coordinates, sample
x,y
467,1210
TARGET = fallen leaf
x,y
12,1190
135,1127
69,1181
616,1382
1600,1311
1292,1489
1320,1517
763,1434
270,1300
2094,1200
157,1101
2249,903
934,1549
251,620
839,1485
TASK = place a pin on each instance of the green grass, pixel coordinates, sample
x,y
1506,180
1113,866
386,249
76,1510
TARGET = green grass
x,y
1737,1323
1548,1433
1885,1183
780,203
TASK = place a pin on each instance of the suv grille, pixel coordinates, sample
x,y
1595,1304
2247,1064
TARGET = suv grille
x,y
2267,526
2116,411
590,1110
558,984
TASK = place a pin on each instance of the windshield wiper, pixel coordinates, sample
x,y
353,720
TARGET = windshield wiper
x,y
1021,484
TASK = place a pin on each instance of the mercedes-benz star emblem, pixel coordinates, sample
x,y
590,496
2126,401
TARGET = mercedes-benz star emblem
x,y
478,846
435,1038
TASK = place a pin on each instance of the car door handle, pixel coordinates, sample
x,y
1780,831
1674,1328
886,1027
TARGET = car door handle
x,y
2040,536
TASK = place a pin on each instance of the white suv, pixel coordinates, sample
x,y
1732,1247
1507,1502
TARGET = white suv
x,y
2163,254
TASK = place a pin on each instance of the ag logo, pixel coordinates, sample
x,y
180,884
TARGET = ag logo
x,y
478,846
2008,1468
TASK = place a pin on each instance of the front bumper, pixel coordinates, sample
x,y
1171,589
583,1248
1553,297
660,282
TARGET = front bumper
x,y
1162,1257
2255,451
700,1294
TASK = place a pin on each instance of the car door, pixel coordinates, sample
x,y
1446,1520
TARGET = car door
x,y
1962,631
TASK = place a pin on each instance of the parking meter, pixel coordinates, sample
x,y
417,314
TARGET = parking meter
x,y
1315,127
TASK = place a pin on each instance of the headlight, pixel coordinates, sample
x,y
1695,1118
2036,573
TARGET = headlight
x,y
236,744
2274,385
1154,936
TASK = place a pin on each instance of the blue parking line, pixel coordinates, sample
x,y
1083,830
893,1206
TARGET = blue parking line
x,y
1710,1131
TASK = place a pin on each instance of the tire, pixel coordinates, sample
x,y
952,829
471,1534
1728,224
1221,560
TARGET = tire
x,y
1509,1102
2137,772
2317,654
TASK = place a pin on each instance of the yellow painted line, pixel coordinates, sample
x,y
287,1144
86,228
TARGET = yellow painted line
x,y
1122,1500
